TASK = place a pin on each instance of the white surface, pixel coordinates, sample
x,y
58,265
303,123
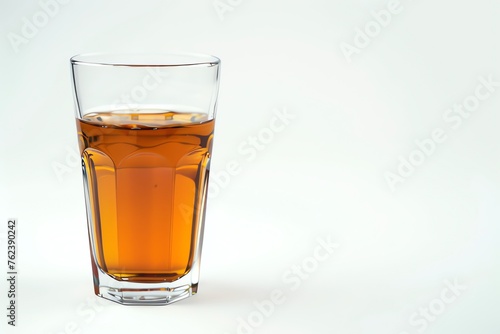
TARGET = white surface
x,y
322,175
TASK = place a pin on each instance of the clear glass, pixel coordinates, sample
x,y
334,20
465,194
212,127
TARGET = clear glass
x,y
145,129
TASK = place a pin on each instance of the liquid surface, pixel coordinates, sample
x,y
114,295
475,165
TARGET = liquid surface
x,y
145,175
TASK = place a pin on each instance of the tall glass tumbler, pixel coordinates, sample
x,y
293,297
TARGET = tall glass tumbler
x,y
145,128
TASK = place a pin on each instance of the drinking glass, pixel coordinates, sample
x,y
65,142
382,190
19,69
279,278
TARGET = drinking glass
x,y
145,129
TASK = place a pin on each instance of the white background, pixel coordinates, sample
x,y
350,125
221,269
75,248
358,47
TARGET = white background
x,y
323,176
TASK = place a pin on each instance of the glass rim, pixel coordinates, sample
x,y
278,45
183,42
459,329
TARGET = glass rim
x,y
145,59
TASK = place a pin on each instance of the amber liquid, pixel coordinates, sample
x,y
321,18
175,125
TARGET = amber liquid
x,y
145,176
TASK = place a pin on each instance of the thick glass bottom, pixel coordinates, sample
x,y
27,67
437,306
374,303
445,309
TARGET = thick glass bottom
x,y
133,293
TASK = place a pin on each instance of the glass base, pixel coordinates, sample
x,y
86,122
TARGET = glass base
x,y
131,293
138,296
